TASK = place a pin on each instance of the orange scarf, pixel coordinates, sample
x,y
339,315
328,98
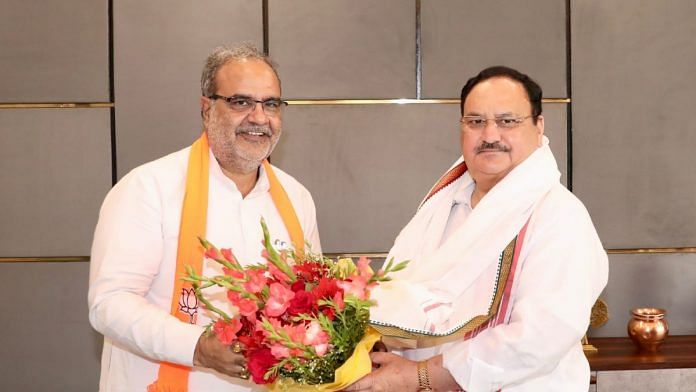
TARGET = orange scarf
x,y
173,377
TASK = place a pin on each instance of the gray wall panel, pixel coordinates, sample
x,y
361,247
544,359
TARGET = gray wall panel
x,y
650,280
47,342
368,167
55,167
556,129
54,51
633,97
335,49
460,38
160,47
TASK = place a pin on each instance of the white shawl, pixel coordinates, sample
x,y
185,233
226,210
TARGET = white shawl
x,y
441,274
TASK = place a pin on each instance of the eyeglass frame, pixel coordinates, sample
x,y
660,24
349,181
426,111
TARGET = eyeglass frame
x,y
281,103
496,120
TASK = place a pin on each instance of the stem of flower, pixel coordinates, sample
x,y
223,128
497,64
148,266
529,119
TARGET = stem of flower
x,y
208,305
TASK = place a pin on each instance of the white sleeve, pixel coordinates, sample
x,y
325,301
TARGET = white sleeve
x,y
563,273
126,257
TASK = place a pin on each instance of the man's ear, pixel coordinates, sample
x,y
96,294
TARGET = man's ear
x,y
540,128
205,107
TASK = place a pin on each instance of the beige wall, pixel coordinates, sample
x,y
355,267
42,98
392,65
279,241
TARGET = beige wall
x,y
619,126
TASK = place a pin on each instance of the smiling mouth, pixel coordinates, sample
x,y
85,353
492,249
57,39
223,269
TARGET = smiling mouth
x,y
254,133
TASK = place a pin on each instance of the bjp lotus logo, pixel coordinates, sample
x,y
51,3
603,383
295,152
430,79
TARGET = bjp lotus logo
x,y
188,303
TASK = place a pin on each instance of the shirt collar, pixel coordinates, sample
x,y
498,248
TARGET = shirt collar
x,y
262,184
464,190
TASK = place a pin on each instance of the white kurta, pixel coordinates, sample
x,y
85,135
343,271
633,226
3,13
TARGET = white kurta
x,y
562,269
134,259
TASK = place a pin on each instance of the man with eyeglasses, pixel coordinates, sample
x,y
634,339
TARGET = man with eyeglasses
x,y
505,262
149,224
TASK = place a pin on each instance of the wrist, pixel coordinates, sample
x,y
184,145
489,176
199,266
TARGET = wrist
x,y
197,353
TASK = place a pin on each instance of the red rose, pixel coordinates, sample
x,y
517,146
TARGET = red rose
x,y
303,302
259,362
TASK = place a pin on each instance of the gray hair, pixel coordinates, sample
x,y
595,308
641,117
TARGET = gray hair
x,y
224,54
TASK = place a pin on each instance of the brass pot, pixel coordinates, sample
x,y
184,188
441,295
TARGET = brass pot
x,y
648,328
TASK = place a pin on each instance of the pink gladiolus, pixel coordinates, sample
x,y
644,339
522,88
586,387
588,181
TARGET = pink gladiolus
x,y
229,256
257,281
317,337
279,300
321,349
338,300
364,267
233,297
212,253
314,334
296,332
357,286
239,275
247,307
264,254
279,351
275,323
226,332
277,273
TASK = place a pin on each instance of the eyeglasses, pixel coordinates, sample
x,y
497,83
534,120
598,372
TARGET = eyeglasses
x,y
271,107
477,123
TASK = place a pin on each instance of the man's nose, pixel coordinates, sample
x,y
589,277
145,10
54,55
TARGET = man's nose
x,y
257,115
490,132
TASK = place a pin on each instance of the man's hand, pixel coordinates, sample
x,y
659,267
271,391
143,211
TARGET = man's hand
x,y
394,374
210,353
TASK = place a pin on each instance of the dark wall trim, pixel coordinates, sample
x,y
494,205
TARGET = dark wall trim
x,y
264,23
419,54
569,92
396,101
65,259
56,105
56,259
112,94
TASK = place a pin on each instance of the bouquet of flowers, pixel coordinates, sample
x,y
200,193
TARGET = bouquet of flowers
x,y
302,319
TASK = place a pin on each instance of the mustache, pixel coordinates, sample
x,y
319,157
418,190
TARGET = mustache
x,y
254,129
495,146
